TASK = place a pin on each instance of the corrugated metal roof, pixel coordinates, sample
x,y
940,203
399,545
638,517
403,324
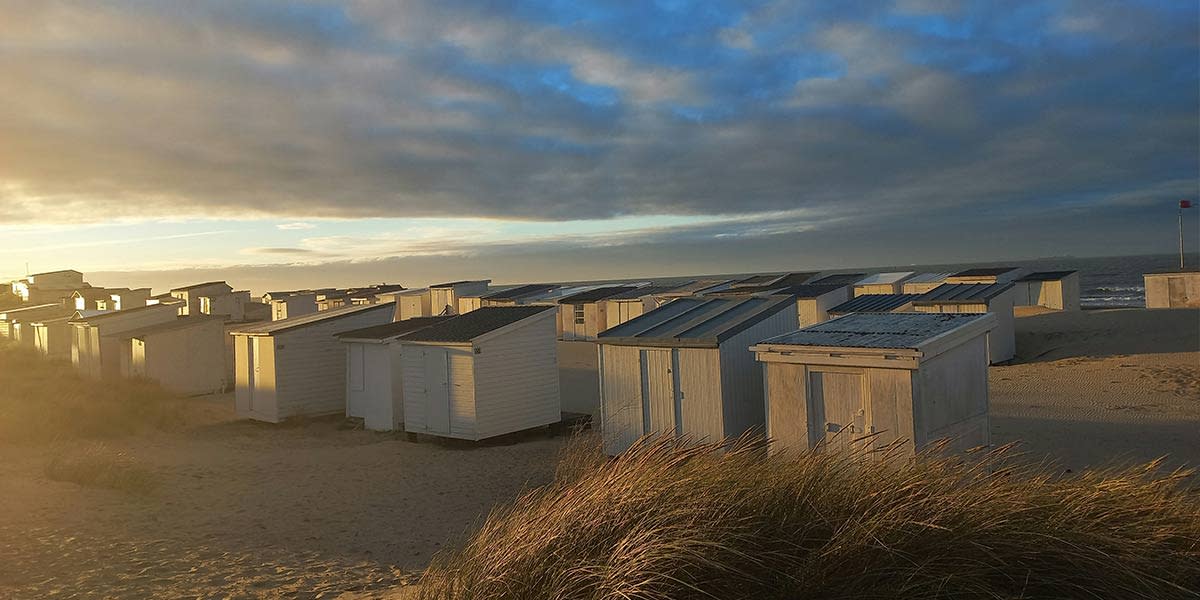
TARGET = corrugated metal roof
x,y
984,272
199,285
877,303
809,290
55,272
885,278
695,321
877,330
273,327
928,277
962,293
520,291
456,283
177,323
1047,275
391,330
595,295
635,293
776,279
121,313
464,328
841,278
27,310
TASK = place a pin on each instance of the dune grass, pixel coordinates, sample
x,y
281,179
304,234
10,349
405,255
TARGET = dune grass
x,y
45,401
724,521
95,465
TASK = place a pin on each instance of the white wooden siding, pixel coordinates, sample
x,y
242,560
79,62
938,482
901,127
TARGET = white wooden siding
x,y
516,378
620,397
741,381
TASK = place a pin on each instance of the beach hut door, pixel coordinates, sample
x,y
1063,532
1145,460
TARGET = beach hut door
x,y
660,406
839,407
254,370
438,388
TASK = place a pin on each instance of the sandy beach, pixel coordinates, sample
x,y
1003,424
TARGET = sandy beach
x,y
315,510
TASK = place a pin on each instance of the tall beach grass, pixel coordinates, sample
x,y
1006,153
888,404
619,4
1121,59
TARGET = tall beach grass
x,y
45,400
724,521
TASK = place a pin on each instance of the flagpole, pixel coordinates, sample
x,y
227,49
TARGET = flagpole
x,y
1181,267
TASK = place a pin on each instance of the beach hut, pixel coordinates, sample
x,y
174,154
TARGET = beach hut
x,y
231,305
486,373
685,368
1058,290
185,355
332,299
521,294
91,298
839,279
813,301
291,306
776,279
443,297
694,288
584,315
96,342
9,317
374,390
902,376
988,275
52,335
923,282
996,298
190,295
467,304
882,283
48,287
296,367
1173,289
126,298
633,303
875,303
412,303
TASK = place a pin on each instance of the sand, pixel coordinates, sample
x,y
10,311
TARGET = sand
x,y
248,510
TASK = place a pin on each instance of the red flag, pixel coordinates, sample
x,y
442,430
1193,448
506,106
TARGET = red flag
x,y
1185,204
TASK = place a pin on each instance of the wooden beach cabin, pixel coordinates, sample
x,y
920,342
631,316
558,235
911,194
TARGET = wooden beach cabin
x,y
915,377
443,297
633,303
52,335
521,294
882,283
27,313
185,356
126,299
685,368
584,315
412,303
489,372
923,282
988,275
96,342
813,301
875,303
296,367
293,305
996,298
374,390
191,295
1178,289
1058,290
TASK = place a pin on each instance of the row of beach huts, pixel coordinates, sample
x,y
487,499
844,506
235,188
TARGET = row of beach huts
x,y
805,357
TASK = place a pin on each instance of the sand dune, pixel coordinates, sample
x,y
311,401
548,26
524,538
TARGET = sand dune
x,y
312,510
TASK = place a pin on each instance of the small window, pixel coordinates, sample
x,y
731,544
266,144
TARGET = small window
x,y
579,314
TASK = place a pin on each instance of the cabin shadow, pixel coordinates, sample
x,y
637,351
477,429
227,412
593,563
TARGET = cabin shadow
x,y
1098,334
1070,445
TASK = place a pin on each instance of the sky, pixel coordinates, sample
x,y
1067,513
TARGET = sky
x,y
302,144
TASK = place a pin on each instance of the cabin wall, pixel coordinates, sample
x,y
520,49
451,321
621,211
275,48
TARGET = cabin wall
x,y
876,288
97,352
409,306
952,397
620,311
920,287
255,389
467,304
516,378
741,376
443,301
372,386
188,361
579,378
459,384
1173,290
1002,340
816,310
620,397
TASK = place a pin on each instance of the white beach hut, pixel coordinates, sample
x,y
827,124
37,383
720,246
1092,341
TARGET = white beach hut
x,y
185,356
443,297
1058,290
909,377
293,305
296,367
374,390
996,298
633,303
126,299
813,301
584,315
28,313
923,282
685,368
96,342
191,294
1173,289
412,303
882,283
486,373
52,335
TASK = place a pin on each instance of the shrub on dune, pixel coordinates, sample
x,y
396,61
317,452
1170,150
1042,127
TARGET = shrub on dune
x,y
721,521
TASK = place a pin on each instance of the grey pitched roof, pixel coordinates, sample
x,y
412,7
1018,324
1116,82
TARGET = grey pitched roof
x,y
984,272
121,313
962,293
877,303
1046,275
464,328
273,327
177,323
885,278
594,295
520,291
391,330
451,284
928,277
842,278
695,321
700,285
41,311
877,330
635,293
199,285
809,290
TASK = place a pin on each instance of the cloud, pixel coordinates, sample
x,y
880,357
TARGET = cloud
x,y
587,110
298,226
276,251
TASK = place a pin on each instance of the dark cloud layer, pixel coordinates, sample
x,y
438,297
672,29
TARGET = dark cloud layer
x,y
868,113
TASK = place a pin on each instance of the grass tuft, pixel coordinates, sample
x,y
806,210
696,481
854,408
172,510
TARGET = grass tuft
x,y
45,401
97,466
724,521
